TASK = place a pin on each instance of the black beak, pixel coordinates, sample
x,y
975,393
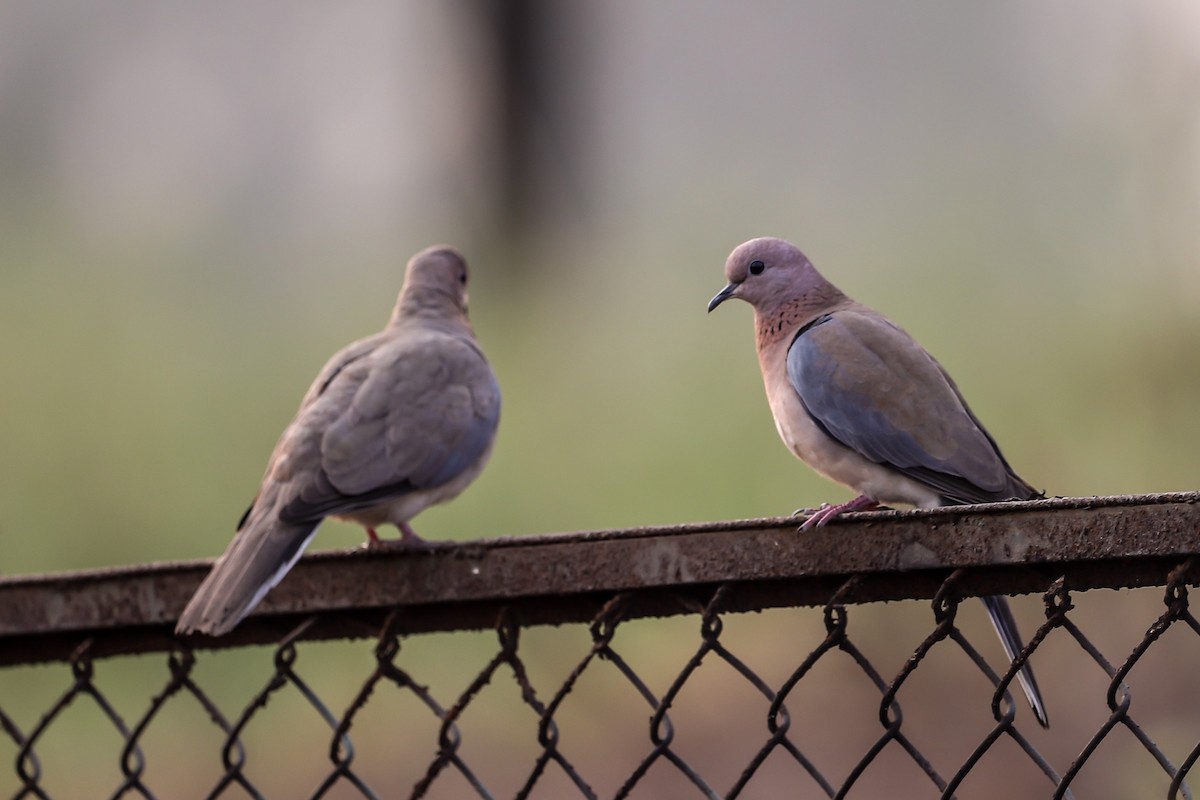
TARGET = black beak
x,y
723,295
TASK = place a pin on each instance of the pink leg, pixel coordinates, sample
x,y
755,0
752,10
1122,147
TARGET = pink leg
x,y
409,536
828,512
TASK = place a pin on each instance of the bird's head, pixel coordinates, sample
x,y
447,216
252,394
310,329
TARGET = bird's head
x,y
767,272
435,278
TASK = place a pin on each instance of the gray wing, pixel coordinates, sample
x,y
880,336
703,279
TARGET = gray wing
x,y
871,387
410,413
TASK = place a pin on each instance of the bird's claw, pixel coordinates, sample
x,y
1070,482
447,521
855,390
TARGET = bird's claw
x,y
827,512
819,517
808,512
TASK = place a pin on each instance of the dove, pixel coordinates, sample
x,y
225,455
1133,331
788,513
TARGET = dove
x,y
394,423
864,405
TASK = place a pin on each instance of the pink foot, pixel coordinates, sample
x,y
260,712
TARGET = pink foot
x,y
408,539
828,512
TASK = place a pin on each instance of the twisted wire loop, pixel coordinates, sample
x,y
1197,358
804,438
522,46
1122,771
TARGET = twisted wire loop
x,y
662,730
387,650
449,737
449,740
180,662
836,618
1119,696
945,609
233,757
710,631
29,769
603,628
83,674
1004,708
547,729
1177,608
891,717
778,718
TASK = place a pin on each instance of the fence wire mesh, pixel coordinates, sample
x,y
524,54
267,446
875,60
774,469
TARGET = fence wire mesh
x,y
709,703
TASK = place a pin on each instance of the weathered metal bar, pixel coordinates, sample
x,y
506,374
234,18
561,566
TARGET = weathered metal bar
x,y
1009,548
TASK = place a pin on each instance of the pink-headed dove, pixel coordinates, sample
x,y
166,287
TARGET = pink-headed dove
x,y
858,400
394,423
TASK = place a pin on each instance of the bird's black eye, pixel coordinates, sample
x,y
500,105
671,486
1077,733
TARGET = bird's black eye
x,y
756,267
462,277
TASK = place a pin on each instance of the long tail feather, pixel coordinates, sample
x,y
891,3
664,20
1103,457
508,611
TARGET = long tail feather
x,y
258,557
1006,628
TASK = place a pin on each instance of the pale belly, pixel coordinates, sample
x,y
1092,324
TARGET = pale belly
x,y
837,462
408,505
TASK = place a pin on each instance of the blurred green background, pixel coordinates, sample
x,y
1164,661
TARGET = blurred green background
x,y
199,204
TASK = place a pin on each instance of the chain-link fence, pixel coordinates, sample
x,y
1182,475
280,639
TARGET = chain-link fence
x,y
621,664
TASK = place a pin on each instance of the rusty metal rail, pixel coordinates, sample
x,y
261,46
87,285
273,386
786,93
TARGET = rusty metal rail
x,y
1010,548
980,737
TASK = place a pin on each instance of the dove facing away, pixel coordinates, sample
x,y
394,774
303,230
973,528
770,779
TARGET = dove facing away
x,y
862,403
394,423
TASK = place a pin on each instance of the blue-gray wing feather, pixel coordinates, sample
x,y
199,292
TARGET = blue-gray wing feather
x,y
402,418
872,388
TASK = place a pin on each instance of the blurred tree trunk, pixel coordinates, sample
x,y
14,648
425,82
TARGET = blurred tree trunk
x,y
536,151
